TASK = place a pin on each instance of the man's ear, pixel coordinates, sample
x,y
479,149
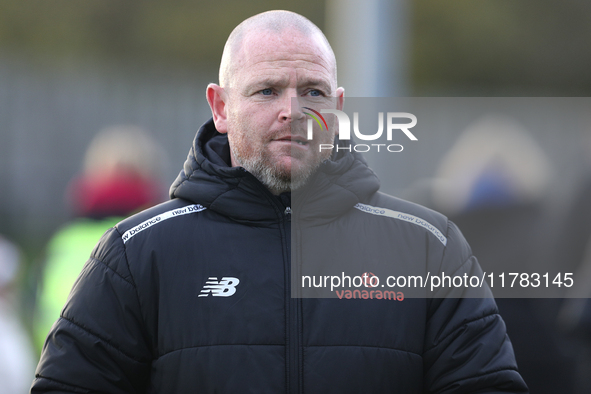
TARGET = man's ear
x,y
217,97
340,98
340,95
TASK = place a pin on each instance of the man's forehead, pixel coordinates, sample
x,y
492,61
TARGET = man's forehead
x,y
264,45
283,58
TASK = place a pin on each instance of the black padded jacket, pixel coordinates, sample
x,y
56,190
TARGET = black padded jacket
x,y
195,295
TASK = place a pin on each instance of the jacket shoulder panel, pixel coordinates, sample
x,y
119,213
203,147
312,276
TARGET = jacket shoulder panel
x,y
151,217
388,206
448,250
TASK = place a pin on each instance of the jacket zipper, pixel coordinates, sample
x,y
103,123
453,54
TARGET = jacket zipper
x,y
293,329
293,356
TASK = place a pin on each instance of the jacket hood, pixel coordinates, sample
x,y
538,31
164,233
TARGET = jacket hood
x,y
208,179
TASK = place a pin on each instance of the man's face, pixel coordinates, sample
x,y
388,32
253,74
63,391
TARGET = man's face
x,y
267,136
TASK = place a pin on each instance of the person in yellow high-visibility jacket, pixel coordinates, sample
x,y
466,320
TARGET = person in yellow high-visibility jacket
x,y
119,178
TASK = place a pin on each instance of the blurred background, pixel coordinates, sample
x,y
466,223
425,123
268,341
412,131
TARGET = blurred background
x,y
69,70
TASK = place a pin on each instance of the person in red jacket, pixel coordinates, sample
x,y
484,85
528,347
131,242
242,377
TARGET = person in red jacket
x,y
120,176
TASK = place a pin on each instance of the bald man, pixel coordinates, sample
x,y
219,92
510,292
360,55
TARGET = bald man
x,y
268,60
198,294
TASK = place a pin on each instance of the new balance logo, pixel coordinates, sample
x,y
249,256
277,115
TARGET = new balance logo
x,y
224,288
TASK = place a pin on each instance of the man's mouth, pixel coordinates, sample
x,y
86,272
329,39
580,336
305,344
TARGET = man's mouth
x,y
297,139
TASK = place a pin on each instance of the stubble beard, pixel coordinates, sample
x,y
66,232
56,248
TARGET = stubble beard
x,y
276,178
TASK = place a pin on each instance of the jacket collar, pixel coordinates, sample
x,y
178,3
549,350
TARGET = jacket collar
x,y
208,179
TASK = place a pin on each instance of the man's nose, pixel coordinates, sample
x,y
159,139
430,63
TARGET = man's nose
x,y
291,108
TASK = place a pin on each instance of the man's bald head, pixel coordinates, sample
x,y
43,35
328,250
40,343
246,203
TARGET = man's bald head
x,y
275,22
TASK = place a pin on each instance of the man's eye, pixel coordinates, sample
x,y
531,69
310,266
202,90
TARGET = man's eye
x,y
315,93
266,92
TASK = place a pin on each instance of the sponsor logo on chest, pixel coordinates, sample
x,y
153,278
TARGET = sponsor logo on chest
x,y
222,288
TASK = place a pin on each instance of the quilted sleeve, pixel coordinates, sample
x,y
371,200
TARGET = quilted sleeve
x,y
467,349
99,344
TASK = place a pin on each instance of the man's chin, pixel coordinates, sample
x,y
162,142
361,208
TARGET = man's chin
x,y
285,179
283,175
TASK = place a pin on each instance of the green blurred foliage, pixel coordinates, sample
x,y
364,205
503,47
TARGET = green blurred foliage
x,y
457,47
185,32
501,47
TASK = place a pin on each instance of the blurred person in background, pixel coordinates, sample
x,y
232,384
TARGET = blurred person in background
x,y
573,251
574,229
120,176
493,184
16,353
575,321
